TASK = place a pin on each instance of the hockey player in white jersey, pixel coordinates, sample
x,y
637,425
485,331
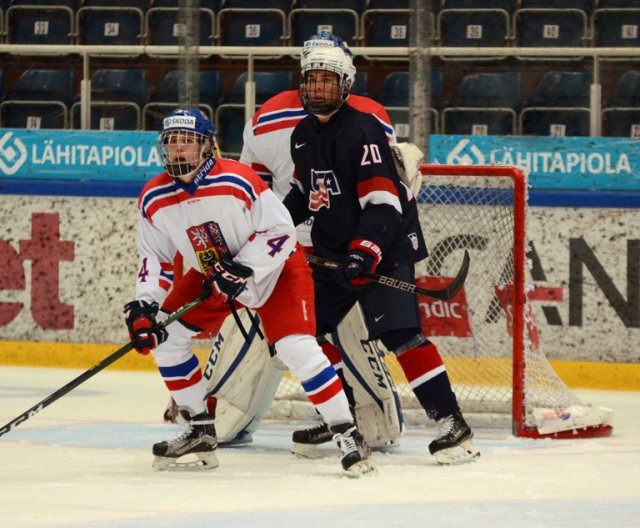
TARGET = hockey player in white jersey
x,y
239,244
376,405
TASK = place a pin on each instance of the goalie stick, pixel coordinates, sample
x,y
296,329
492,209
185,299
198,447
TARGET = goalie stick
x,y
98,367
445,294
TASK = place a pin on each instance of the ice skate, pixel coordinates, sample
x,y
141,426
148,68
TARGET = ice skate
x,y
355,451
197,444
306,441
454,444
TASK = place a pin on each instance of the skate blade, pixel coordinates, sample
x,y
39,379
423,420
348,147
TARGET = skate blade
x,y
202,462
312,451
465,452
359,469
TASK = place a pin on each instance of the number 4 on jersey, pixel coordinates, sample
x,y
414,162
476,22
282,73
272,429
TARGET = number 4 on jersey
x,y
276,244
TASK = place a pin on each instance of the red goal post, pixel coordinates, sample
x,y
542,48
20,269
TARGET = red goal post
x,y
487,334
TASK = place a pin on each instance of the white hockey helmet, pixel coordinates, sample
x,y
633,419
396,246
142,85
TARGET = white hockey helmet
x,y
325,55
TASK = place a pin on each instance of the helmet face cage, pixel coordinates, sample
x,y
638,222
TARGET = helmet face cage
x,y
186,142
320,93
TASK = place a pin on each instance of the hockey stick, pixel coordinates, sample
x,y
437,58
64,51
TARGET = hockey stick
x,y
98,367
445,294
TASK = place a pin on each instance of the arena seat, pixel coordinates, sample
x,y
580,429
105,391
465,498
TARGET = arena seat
x,y
41,21
485,104
107,22
253,23
621,117
616,23
117,99
163,26
312,16
559,105
41,98
166,97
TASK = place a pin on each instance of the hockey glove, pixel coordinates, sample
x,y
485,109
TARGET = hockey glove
x,y
363,257
140,317
227,278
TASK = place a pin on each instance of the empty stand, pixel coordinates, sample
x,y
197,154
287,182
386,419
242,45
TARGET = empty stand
x,y
621,118
559,105
485,104
166,98
616,23
312,16
386,23
41,98
553,23
117,99
476,24
253,23
41,21
111,22
394,96
361,84
164,25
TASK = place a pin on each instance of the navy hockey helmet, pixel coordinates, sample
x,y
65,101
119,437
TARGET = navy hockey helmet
x,y
186,141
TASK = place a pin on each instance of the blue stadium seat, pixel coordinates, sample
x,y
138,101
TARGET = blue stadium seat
x,y
167,97
553,23
621,118
111,22
41,98
117,99
267,85
164,28
394,96
230,118
312,16
386,23
253,23
361,84
41,21
616,23
559,105
476,24
485,104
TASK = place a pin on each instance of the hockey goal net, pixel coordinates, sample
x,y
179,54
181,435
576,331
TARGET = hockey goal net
x,y
487,333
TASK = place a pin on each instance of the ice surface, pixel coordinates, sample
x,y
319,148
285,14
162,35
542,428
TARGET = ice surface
x,y
85,461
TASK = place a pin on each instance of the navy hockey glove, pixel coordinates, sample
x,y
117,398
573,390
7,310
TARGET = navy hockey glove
x,y
227,278
363,257
140,317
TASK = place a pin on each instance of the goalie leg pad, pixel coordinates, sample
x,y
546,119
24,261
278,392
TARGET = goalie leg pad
x,y
378,411
243,377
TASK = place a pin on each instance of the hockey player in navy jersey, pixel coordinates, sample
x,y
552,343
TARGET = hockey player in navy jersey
x,y
366,218
239,243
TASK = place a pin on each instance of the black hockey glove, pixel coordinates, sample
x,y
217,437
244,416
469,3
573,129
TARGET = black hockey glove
x,y
363,257
140,317
227,278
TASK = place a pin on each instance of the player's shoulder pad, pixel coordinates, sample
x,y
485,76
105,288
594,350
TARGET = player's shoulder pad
x,y
159,181
233,167
289,99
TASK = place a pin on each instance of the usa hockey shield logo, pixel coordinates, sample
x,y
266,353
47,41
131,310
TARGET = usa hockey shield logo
x,y
323,185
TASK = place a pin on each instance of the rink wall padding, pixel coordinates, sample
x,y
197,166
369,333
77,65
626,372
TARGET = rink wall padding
x,y
68,246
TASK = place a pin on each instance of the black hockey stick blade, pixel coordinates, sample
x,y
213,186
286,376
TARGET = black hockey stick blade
x,y
97,367
444,294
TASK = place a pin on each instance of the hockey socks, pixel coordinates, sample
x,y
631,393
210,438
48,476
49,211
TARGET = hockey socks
x,y
335,358
428,378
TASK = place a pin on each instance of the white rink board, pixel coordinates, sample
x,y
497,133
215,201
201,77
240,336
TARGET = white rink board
x,y
99,279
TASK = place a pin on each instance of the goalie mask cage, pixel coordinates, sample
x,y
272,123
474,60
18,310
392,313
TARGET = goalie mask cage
x,y
486,334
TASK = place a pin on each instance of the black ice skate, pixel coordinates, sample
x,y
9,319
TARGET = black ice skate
x,y
198,441
306,441
355,451
454,444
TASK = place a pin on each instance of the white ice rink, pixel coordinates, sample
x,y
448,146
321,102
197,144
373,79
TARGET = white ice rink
x,y
85,461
